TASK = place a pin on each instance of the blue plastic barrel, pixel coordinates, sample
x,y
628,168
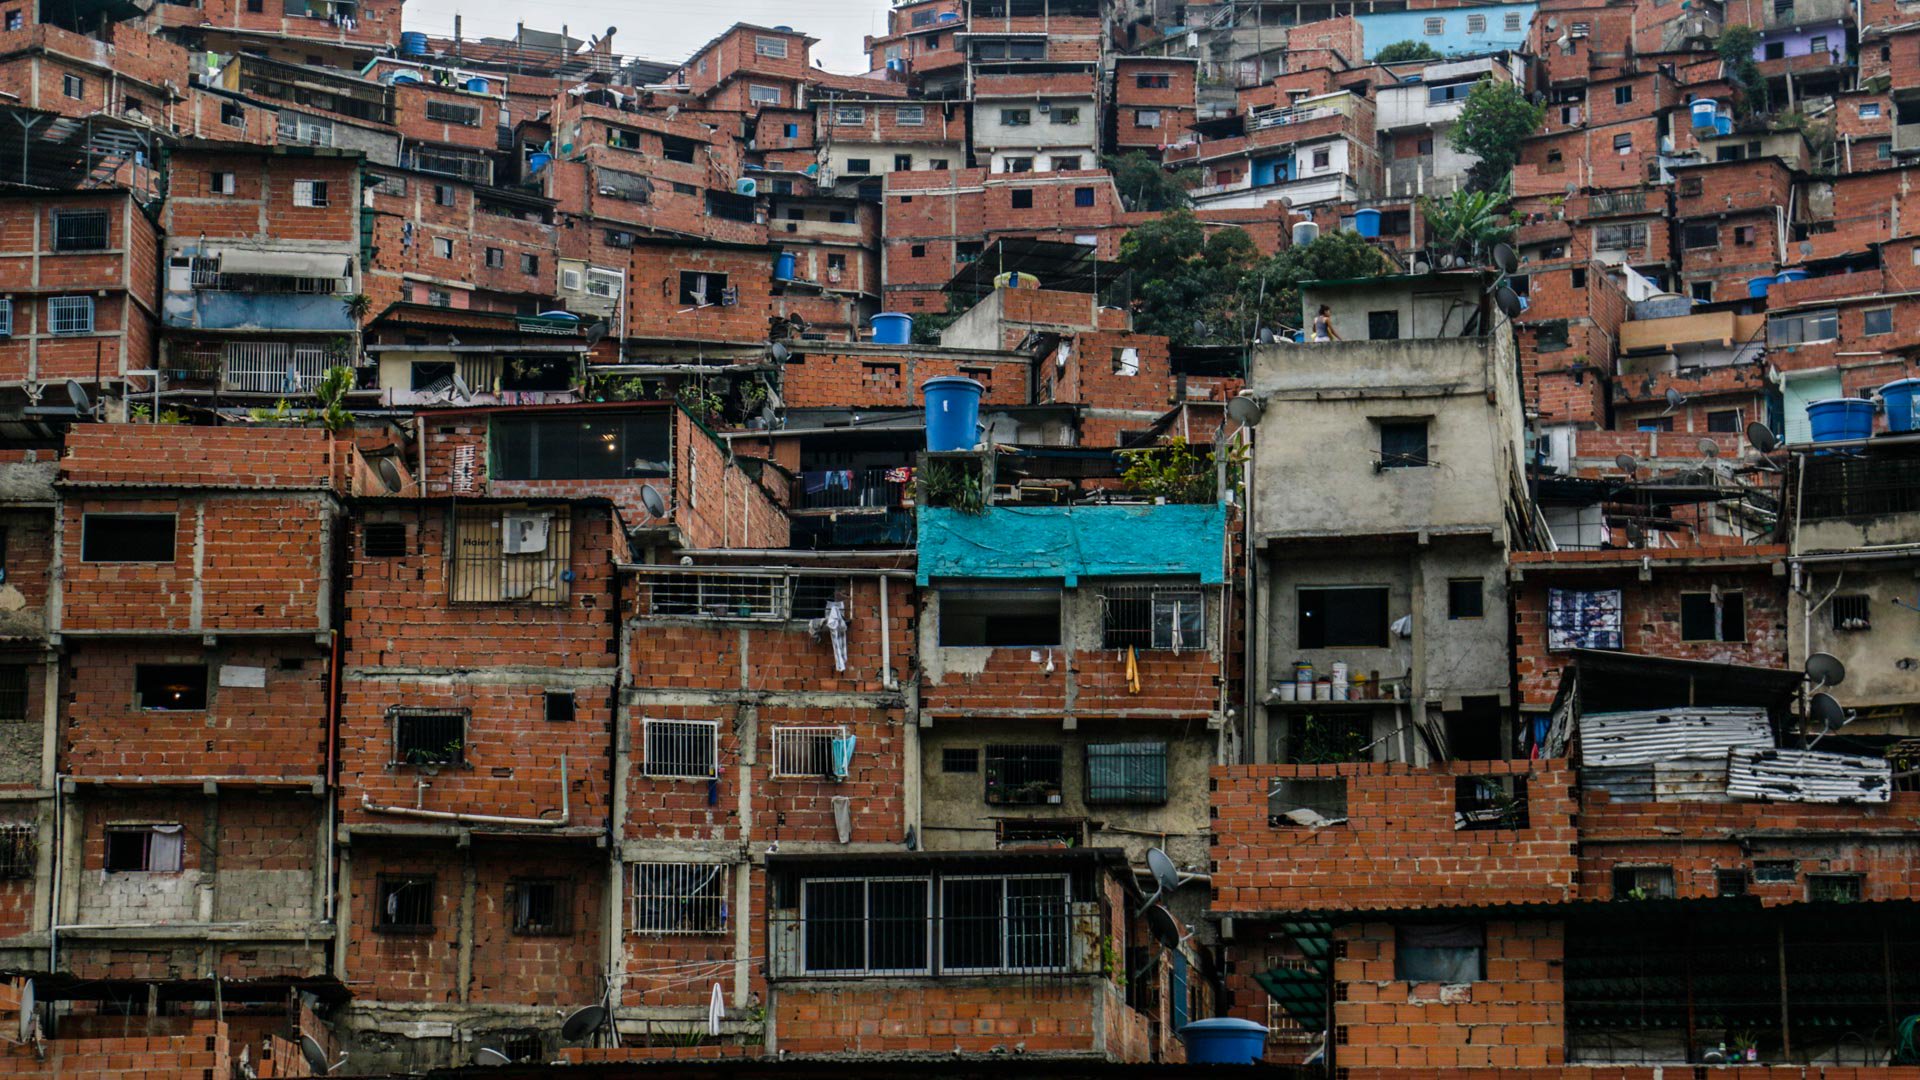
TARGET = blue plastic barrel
x,y
948,16
1757,287
1840,418
536,162
1224,1040
783,267
413,43
1790,275
892,328
953,412
1367,223
1902,399
477,86
1723,124
1704,111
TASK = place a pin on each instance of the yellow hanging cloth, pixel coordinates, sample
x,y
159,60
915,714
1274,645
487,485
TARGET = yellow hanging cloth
x,y
1133,672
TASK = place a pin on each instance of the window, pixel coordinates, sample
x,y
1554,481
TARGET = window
x,y
917,251
1439,953
1655,423
1700,236
439,297
701,289
1020,165
73,86
1743,235
1884,151
761,597
675,148
771,47
18,848
1821,325
403,904
1876,321
1713,616
1834,888
1383,325
144,849
1322,158
1702,291
84,230
16,19
999,618
1083,196
937,163
910,115
602,283
127,537
1643,883
1723,420
1579,277
1623,143
170,687
1023,774
763,95
1774,50
1870,110
688,749
13,692
1127,773
1476,24
808,752
1153,80
560,706
1775,872
448,112
865,925
960,759
1307,803
680,898
220,183
1489,802
1150,617
1064,116
1690,186
1849,613
443,247
429,737
541,907
6,318
1730,882
443,195
496,258
1513,20
383,540
1620,237
1466,599
1623,95
849,114
1014,923
1435,27
967,251
1403,444
903,163
1349,616
310,193
1817,44
1146,118
1021,198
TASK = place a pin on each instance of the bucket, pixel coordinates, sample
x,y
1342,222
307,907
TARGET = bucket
x,y
477,86
1287,691
953,411
783,270
1367,224
1303,674
1224,1040
1723,124
1323,690
413,43
536,162
1838,419
1757,287
1902,398
893,328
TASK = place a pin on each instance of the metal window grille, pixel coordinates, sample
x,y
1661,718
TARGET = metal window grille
x,y
273,367
1643,883
519,1045
1023,775
451,113
683,748
6,318
1834,888
812,594
404,904
1127,772
383,539
1307,802
477,169
540,906
18,847
310,193
1775,872
876,488
1146,617
1839,487
1030,832
1003,924
13,691
805,751
866,926
1489,802
1852,613
510,555
70,314
82,231
680,898
717,596
429,737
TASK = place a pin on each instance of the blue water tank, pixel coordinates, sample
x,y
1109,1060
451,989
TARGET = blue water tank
x,y
1722,124
953,412
1704,111
948,16
1757,287
1367,223
896,64
783,266
413,43
477,86
1224,1040
536,162
1790,275
1838,419
1902,400
892,328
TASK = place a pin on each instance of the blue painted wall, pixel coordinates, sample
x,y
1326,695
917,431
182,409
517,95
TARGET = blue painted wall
x,y
1070,542
1380,30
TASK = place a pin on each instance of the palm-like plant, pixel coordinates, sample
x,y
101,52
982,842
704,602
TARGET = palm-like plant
x,y
1468,223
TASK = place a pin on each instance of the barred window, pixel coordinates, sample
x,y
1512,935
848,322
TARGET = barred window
x,y
403,904
70,314
1023,775
18,848
1127,772
681,748
13,691
540,906
992,924
429,737
807,751
1146,617
310,193
452,113
511,555
873,926
80,230
717,596
680,898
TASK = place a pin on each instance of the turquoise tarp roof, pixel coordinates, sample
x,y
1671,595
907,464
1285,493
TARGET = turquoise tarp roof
x,y
1071,542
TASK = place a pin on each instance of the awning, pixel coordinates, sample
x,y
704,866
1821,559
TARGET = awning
x,y
293,264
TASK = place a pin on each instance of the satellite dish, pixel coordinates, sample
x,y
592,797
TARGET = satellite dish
x,y
1504,259
1675,399
1553,24
1421,266
1266,335
1824,708
1164,928
460,388
1507,301
1709,448
1628,464
1762,437
1199,328
1826,669
1246,408
657,506
389,474
779,352
1164,872
586,1021
315,1054
596,333
487,1055
798,323
77,395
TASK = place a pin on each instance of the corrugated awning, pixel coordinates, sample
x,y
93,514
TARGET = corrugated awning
x,y
1808,776
1645,737
293,264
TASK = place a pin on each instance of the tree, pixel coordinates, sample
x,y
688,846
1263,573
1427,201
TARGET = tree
x,y
1405,50
1496,118
1145,184
1468,223
1334,256
1736,47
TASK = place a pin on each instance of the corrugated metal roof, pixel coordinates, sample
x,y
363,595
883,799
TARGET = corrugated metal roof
x,y
1808,776
1645,736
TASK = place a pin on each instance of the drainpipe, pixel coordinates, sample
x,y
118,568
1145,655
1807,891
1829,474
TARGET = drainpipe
x,y
367,804
886,639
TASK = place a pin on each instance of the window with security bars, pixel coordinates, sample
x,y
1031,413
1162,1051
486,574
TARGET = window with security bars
x,y
681,748
1023,775
1003,924
866,926
70,314
13,691
679,898
429,737
18,846
812,594
540,906
1146,617
805,751
403,904
717,596
1127,772
448,112
81,230
511,555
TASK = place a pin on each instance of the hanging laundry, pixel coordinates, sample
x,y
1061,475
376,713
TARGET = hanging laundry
x,y
716,1010
1133,671
837,632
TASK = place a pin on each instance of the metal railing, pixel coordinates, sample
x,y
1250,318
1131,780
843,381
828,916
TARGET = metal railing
x,y
983,931
273,367
1272,118
847,489
515,556
475,169
1838,487
1625,202
679,898
716,596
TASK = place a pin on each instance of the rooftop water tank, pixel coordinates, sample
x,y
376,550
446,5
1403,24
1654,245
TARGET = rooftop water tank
x,y
1224,1040
1902,400
1304,233
413,43
1840,419
1704,110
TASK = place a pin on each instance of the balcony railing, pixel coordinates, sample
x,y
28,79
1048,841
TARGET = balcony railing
x,y
1025,938
1625,202
477,170
1860,487
850,489
273,367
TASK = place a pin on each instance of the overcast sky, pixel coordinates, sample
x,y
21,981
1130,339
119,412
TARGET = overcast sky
x,y
667,30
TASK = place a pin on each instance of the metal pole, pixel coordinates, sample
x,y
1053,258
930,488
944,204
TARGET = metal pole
x,y
1786,1037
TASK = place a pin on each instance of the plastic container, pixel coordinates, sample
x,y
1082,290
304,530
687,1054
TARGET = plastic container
x,y
1902,400
1839,419
1757,287
953,412
948,16
413,43
893,328
1288,691
477,86
1303,674
1367,224
1723,124
783,267
405,78
1789,275
1323,690
1704,111
536,162
1306,232
1224,1040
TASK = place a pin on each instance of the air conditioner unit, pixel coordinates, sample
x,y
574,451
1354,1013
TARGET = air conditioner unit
x,y
1044,107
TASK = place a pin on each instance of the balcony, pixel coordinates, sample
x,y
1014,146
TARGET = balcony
x,y
877,490
1032,932
476,170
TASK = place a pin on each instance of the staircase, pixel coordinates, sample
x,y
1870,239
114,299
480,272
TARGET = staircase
x,y
1301,989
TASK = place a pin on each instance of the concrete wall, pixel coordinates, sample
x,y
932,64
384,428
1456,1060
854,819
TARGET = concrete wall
x,y
1879,660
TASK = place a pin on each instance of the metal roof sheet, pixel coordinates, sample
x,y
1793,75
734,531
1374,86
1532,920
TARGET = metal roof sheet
x,y
1808,776
1642,737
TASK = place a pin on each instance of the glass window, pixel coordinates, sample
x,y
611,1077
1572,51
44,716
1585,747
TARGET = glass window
x,y
1439,953
1127,772
1466,599
1403,444
603,447
1877,321
1343,616
872,925
80,230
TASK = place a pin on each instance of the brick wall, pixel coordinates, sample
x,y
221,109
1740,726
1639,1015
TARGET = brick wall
x,y
880,378
1051,1019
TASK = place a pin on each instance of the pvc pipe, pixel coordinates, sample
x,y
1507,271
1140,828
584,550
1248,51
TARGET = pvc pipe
x,y
367,804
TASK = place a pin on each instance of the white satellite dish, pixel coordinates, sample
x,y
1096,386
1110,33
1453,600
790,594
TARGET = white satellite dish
x,y
487,1055
651,499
